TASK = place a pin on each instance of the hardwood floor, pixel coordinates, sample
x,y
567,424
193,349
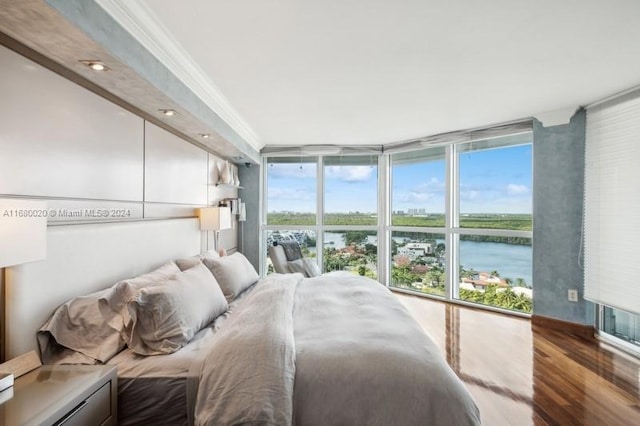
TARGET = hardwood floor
x,y
522,376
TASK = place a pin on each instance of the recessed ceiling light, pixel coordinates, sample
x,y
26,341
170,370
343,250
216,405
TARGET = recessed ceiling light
x,y
204,135
95,65
168,112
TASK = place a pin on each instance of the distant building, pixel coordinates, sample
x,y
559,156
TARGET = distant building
x,y
482,280
418,211
415,251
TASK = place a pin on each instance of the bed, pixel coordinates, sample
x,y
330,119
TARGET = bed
x,y
286,349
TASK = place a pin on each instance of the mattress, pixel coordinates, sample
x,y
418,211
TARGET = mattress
x,y
160,389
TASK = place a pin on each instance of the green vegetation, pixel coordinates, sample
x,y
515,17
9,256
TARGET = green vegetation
x,y
281,218
356,218
360,259
432,220
347,219
499,297
514,222
431,282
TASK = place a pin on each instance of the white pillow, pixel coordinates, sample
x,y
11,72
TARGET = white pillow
x,y
234,273
306,266
113,304
166,316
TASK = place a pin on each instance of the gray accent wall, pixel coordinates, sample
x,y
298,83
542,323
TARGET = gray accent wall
x,y
250,231
558,176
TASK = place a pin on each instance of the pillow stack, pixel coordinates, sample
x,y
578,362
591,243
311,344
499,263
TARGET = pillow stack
x,y
165,317
154,313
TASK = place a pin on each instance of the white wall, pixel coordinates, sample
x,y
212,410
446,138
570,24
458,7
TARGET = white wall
x,y
75,149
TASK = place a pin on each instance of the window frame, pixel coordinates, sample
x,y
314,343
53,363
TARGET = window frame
x,y
384,228
319,227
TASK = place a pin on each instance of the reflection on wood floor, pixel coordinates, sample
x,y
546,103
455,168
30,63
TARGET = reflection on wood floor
x,y
519,376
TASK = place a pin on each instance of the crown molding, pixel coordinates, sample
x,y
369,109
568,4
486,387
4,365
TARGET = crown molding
x,y
142,23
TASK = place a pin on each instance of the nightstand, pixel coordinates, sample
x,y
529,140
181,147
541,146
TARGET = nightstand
x,y
83,395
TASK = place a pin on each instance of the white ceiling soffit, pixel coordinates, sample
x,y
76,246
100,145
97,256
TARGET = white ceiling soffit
x,y
140,22
379,71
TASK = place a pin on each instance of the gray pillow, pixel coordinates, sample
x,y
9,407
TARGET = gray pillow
x,y
306,266
234,274
166,316
113,305
80,326
188,263
192,261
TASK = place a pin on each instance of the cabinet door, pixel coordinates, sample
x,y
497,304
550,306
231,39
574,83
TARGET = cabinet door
x,y
94,410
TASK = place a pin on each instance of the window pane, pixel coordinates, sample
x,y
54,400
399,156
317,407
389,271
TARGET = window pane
x,y
291,191
306,239
496,271
622,325
351,190
418,192
353,251
418,262
495,183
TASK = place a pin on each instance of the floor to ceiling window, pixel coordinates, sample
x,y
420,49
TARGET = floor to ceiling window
x,y
351,214
462,222
418,200
339,227
495,221
291,203
456,218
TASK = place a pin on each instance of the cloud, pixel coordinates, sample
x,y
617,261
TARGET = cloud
x,y
470,195
350,174
424,192
515,189
476,193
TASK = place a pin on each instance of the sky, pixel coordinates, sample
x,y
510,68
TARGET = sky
x,y
491,181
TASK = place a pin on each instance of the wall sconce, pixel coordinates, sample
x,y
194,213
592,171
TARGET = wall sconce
x,y
23,231
215,219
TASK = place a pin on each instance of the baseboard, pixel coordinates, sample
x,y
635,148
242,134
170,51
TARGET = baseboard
x,y
583,331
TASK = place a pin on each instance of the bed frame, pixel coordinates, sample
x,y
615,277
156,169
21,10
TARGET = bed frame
x,y
82,259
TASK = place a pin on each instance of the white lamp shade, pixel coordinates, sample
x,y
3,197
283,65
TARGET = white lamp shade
x,y
23,231
215,218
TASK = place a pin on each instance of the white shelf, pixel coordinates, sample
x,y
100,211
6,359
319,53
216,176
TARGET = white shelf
x,y
228,185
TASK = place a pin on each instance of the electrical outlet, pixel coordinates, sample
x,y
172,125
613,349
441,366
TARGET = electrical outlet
x,y
573,295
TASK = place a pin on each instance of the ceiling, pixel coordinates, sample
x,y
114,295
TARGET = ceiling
x,y
380,71
355,72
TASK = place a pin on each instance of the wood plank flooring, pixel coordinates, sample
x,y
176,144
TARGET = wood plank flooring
x,y
522,376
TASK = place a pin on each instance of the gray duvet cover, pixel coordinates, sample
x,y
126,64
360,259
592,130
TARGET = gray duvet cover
x,y
330,350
